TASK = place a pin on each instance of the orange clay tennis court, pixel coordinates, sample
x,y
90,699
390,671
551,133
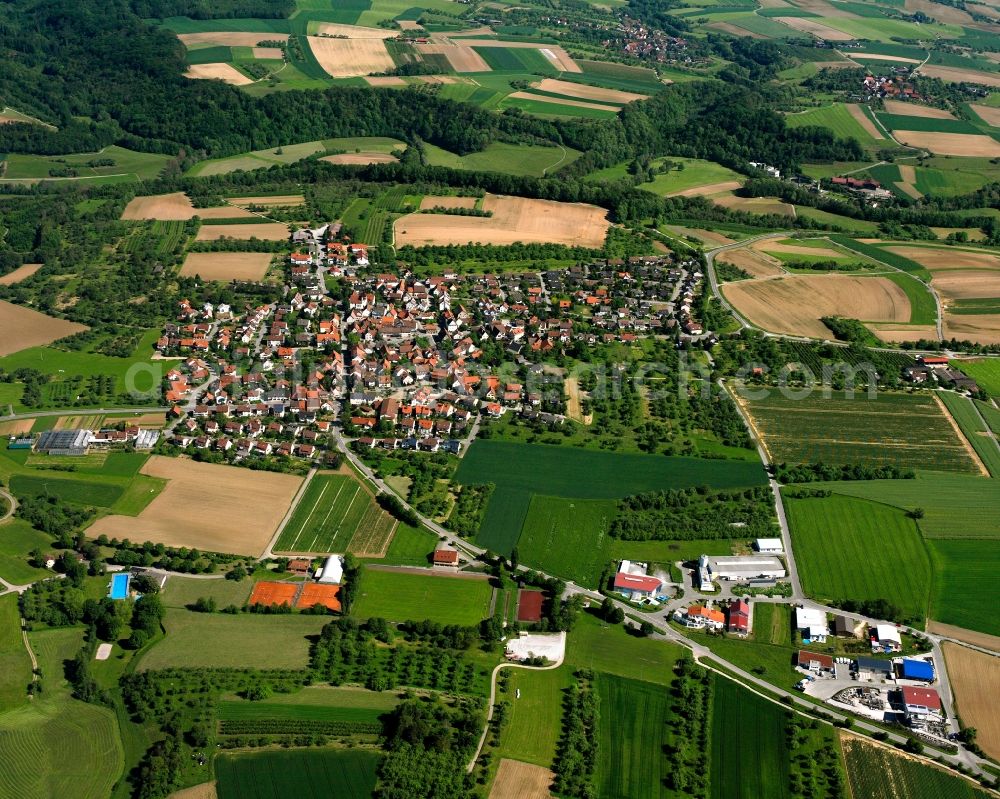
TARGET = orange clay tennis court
x,y
326,595
272,593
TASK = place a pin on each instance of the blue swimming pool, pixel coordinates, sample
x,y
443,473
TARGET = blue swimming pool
x,y
119,585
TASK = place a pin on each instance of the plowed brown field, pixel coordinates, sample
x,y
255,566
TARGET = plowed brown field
x,y
21,328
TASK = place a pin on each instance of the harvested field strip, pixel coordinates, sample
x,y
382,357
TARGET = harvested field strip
x,y
913,109
226,266
360,158
561,101
227,73
957,75
461,57
345,58
961,144
354,31
19,274
967,636
975,679
265,231
941,258
231,39
989,115
208,506
175,207
911,431
583,92
21,328
280,200
516,780
864,121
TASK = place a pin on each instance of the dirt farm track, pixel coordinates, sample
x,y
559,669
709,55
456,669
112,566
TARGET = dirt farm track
x,y
207,506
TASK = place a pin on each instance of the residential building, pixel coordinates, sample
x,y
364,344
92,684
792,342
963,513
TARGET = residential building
x,y
920,702
632,582
738,620
700,617
814,661
812,624
885,638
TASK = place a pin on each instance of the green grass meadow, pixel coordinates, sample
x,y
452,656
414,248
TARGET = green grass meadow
x,y
870,768
314,703
400,596
511,159
985,372
848,548
607,648
975,429
835,118
133,165
965,576
15,667
17,539
534,721
568,537
305,774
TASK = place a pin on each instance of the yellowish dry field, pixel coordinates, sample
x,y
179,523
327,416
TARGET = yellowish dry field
x,y
515,219
962,284
582,92
903,333
356,31
880,57
559,57
277,200
708,188
817,29
268,52
21,328
360,158
431,201
16,427
755,263
204,791
824,9
461,56
266,231
21,273
385,80
150,420
795,304
176,206
974,233
231,39
224,72
981,328
942,258
207,506
959,75
963,144
942,13
770,245
968,636
756,205
975,679
704,236
991,116
562,101
226,265
517,780
728,27
859,117
914,110
351,58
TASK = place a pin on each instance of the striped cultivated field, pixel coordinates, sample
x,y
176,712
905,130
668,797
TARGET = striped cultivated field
x,y
337,515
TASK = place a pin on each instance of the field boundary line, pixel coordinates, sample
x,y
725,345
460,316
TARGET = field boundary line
x,y
969,449
288,515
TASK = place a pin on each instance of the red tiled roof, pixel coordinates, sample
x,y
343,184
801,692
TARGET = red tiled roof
x,y
927,697
806,657
448,556
636,582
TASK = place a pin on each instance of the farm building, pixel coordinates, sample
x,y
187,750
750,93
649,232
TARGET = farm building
x,y
738,620
64,442
704,575
844,627
885,638
738,568
299,565
920,702
699,617
812,624
146,439
446,556
769,546
814,661
25,442
632,581
916,669
529,605
870,669
332,572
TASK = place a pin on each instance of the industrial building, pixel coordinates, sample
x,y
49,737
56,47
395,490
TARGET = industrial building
x,y
872,669
769,546
739,568
64,442
916,669
885,638
332,572
812,624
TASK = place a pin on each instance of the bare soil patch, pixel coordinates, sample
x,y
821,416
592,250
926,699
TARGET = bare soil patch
x,y
232,39
859,117
880,57
224,72
705,236
961,284
176,206
356,31
756,205
559,57
913,110
817,29
959,75
991,116
22,327
942,13
753,262
268,52
769,245
975,679
409,25
204,791
935,258
964,144
973,637
21,273
824,9
461,56
385,80
735,30
208,506
517,780
982,328
226,265
908,189
360,158
795,304
708,188
437,201
266,231
562,101
583,92
514,219
903,333
142,420
350,58
281,200
16,427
